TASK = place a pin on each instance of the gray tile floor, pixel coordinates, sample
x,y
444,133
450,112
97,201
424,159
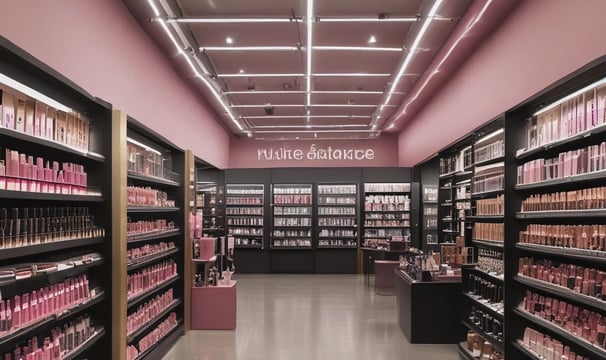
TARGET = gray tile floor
x,y
305,317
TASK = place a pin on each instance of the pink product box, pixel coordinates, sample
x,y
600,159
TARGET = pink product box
x,y
207,248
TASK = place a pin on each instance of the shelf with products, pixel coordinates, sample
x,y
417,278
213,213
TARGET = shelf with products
x,y
210,201
593,350
56,145
386,212
488,243
169,336
156,200
562,292
556,170
135,334
50,319
536,345
485,335
291,215
244,213
478,301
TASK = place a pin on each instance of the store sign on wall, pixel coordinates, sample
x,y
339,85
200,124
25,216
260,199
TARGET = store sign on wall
x,y
314,152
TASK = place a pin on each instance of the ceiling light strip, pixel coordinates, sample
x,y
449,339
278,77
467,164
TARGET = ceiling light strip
x,y
193,68
32,93
248,48
358,48
308,126
411,52
234,20
259,75
305,116
352,75
348,105
263,92
312,131
368,19
310,19
264,106
361,92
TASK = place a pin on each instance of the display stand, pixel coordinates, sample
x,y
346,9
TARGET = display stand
x,y
214,307
421,311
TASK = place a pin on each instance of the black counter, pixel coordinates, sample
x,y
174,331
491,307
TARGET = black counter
x,y
428,312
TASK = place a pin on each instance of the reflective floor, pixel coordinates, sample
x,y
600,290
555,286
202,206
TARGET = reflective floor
x,y
305,317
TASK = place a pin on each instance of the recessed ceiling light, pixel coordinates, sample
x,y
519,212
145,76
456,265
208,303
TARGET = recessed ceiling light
x,y
372,39
229,40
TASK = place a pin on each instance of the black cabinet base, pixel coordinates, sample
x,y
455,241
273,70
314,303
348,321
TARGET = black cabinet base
x,y
292,261
252,261
336,261
423,315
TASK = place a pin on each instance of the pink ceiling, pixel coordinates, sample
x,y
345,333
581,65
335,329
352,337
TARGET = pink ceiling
x,y
293,63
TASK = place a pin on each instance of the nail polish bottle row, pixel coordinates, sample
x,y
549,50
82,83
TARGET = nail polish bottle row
x,y
147,278
258,221
488,231
548,348
490,292
61,342
292,199
32,226
244,211
146,196
148,311
28,308
588,237
587,281
482,349
146,228
586,324
231,200
19,172
592,198
148,250
490,261
493,206
486,322
153,337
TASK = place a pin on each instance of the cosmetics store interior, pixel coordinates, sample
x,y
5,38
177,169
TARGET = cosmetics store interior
x,y
298,179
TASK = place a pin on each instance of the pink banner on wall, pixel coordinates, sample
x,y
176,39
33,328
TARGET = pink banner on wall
x,y
335,153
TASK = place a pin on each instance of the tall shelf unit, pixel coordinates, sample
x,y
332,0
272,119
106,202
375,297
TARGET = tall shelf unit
x,y
155,231
483,284
555,203
337,224
292,216
244,211
454,196
55,218
386,212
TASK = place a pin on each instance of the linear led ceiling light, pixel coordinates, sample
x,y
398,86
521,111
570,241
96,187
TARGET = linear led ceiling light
x,y
344,126
304,116
248,48
259,75
263,92
348,92
232,20
33,93
264,106
310,20
180,51
378,18
412,50
351,75
358,48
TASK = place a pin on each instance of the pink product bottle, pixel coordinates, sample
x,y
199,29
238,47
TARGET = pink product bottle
x,y
207,248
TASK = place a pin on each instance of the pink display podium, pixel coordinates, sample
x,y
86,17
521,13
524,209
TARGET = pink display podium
x,y
384,276
214,307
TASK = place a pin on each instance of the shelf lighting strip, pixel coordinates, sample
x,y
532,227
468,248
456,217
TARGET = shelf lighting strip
x,y
33,93
571,96
189,61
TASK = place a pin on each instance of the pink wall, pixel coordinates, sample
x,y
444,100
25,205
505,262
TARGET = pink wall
x,y
539,43
99,45
245,153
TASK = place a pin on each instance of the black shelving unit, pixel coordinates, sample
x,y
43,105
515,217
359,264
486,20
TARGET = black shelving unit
x,y
83,140
292,221
527,143
244,211
156,166
387,213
